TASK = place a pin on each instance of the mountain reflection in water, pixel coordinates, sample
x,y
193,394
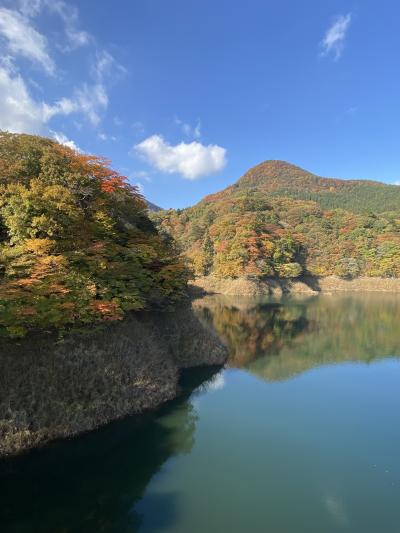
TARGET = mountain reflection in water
x,y
277,340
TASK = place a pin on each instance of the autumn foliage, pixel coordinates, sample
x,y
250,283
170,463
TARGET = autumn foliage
x,y
281,221
76,243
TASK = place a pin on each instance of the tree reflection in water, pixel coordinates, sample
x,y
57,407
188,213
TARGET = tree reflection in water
x,y
278,339
93,483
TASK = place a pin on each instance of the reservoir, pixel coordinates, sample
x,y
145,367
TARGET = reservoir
x,y
298,433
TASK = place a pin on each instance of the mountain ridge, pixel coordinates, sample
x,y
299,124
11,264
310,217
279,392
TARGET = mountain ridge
x,y
282,178
282,165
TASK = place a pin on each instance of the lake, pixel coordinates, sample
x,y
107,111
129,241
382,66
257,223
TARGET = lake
x,y
298,433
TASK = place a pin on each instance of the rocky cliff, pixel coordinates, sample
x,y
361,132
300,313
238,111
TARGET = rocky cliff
x,y
51,389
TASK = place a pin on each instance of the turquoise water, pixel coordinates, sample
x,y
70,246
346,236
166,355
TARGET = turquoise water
x,y
299,433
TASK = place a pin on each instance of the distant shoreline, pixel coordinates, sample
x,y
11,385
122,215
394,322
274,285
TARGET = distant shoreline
x,y
306,285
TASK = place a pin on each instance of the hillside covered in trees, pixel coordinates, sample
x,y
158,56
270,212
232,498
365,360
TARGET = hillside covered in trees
x,y
76,243
281,221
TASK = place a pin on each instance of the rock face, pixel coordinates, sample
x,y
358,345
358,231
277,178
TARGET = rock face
x,y
278,287
51,389
250,287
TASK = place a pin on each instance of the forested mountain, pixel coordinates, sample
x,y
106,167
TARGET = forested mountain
x,y
281,221
279,178
76,243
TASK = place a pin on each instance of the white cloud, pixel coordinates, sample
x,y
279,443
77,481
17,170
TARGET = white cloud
x,y
190,160
30,8
23,40
105,137
63,139
90,100
188,129
333,41
105,65
397,182
19,112
68,14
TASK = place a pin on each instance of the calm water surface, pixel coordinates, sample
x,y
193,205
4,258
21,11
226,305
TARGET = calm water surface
x,y
300,433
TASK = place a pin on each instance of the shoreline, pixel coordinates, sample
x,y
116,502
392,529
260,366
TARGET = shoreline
x,y
52,390
307,285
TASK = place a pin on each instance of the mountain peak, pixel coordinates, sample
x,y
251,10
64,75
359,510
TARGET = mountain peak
x,y
275,164
273,170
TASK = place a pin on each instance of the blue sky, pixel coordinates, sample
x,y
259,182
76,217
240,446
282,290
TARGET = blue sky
x,y
184,96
